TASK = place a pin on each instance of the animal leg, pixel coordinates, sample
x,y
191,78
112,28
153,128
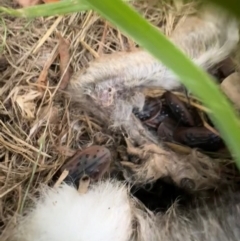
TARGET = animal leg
x,y
192,172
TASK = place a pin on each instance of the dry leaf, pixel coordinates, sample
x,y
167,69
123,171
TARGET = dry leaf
x,y
63,50
26,103
42,79
48,113
65,151
25,98
27,3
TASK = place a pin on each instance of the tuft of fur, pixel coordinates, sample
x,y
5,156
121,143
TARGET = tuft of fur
x,y
107,212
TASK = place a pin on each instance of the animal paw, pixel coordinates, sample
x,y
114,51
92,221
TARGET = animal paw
x,y
192,172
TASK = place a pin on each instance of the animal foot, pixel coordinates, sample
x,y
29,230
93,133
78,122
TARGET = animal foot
x,y
192,172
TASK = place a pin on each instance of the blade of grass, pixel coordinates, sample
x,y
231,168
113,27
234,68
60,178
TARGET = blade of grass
x,y
3,36
42,143
50,9
196,80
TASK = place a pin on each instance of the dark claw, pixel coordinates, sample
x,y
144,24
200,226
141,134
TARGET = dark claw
x,y
150,110
187,183
155,122
93,162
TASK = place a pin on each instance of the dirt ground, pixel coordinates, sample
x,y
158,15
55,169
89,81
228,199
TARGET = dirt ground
x,y
40,129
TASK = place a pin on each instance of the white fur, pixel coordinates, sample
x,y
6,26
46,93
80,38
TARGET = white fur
x,y
107,212
62,214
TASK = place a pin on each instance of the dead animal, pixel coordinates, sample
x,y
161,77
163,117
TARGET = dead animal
x,y
112,87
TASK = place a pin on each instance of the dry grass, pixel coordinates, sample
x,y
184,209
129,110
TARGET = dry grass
x,y
38,131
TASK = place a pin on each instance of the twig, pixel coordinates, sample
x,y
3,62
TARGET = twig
x,y
61,178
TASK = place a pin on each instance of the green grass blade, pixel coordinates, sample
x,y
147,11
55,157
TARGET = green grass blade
x,y
196,80
50,9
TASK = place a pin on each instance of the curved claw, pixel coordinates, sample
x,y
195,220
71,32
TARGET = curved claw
x,y
93,162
